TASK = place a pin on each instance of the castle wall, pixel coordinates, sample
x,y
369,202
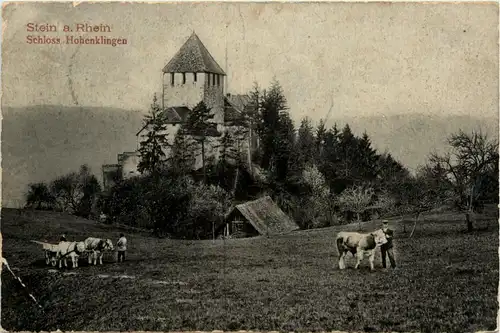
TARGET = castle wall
x,y
186,94
129,163
213,96
109,172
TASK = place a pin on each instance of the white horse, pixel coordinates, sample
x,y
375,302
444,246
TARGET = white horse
x,y
97,246
69,249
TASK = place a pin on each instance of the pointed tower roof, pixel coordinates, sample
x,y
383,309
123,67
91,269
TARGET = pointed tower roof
x,y
193,57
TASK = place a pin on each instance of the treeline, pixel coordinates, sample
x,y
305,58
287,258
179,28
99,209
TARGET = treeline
x,y
319,175
76,193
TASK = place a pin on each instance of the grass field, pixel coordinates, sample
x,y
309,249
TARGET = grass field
x,y
446,281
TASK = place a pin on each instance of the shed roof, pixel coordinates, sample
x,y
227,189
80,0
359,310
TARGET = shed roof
x,y
265,216
193,57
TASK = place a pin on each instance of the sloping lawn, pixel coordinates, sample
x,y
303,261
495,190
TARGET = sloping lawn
x,y
446,281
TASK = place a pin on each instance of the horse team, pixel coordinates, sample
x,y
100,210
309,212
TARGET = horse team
x,y
93,247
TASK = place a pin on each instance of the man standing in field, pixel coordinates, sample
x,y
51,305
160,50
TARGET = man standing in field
x,y
121,247
386,249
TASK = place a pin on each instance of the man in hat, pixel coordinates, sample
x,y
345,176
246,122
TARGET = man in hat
x,y
386,249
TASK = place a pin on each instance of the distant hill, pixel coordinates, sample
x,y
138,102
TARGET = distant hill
x,y
42,142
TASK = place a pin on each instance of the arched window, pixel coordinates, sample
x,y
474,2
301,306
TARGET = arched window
x,y
195,77
183,78
218,79
172,80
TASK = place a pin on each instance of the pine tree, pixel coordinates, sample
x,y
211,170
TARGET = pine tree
x,y
182,157
319,140
330,162
198,125
284,152
152,148
366,159
305,144
347,151
273,103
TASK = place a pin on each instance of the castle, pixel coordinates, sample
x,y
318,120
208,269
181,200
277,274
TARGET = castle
x,y
191,76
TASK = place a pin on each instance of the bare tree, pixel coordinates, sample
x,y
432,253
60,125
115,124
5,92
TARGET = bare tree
x,y
423,193
356,199
466,166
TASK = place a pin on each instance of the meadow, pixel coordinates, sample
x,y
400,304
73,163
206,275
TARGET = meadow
x,y
446,280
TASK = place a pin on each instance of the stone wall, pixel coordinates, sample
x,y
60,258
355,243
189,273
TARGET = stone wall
x,y
213,96
183,94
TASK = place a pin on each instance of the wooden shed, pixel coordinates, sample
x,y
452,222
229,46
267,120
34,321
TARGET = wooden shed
x,y
259,217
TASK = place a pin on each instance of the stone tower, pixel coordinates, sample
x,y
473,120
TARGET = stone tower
x,y
192,76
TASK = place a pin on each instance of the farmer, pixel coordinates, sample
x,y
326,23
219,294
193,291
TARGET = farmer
x,y
386,249
121,247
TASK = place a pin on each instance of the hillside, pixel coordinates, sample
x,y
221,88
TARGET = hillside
x,y
287,283
42,142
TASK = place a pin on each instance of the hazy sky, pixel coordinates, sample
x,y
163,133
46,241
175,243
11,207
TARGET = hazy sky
x,y
368,58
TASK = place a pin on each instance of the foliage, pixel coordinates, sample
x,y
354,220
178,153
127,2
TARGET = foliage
x,y
198,125
356,199
465,169
40,197
208,205
152,148
182,156
317,208
76,193
272,103
305,144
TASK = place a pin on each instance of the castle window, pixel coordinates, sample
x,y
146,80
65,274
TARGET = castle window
x,y
195,77
218,79
172,75
183,78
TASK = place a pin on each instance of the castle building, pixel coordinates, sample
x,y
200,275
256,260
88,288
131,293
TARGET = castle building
x,y
190,77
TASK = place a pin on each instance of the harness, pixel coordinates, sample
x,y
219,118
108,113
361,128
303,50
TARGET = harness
x,y
74,250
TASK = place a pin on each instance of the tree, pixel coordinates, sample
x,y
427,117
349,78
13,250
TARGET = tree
x,y
348,153
283,161
152,148
316,206
198,125
319,140
76,192
39,196
90,188
331,161
272,104
182,157
427,191
356,199
305,144
207,208
66,192
465,168
366,159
